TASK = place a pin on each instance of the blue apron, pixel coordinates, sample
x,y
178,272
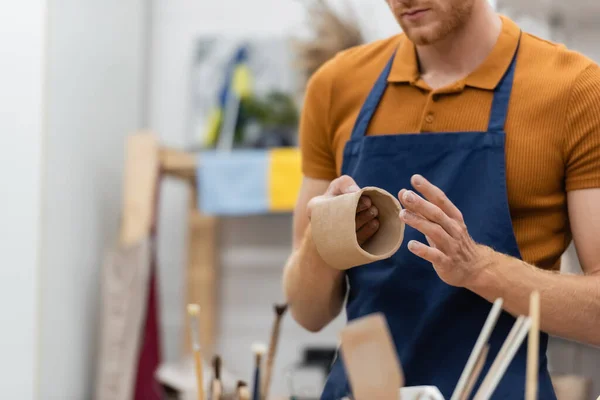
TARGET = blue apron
x,y
434,325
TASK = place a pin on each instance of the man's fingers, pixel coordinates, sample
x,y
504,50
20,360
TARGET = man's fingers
x,y
436,196
437,236
427,253
368,230
365,217
363,203
415,203
342,185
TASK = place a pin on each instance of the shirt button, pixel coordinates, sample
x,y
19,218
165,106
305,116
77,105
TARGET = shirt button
x,y
429,118
435,97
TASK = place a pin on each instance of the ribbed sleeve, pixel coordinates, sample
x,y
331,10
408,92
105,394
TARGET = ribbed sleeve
x,y
582,132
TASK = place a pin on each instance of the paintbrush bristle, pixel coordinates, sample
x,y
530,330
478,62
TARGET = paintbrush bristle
x,y
217,367
259,348
280,309
193,310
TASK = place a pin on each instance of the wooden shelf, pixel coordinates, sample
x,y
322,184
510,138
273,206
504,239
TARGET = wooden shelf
x,y
177,163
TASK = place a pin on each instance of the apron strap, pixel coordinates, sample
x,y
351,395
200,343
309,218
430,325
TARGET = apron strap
x,y
368,109
502,96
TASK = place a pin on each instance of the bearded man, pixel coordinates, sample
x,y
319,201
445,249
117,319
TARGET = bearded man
x,y
490,137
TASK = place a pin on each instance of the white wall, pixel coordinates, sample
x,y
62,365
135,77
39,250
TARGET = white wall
x,y
95,98
584,38
22,50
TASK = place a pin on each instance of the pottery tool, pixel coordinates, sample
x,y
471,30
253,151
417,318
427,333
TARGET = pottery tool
x,y
216,386
476,372
531,387
504,358
242,392
266,383
193,312
259,351
483,338
369,355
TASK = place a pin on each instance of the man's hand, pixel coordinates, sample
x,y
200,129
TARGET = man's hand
x,y
570,303
456,257
367,223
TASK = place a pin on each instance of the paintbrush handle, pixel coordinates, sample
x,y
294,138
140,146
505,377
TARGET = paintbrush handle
x,y
266,383
489,376
199,374
531,388
475,373
216,390
256,392
243,394
483,338
508,357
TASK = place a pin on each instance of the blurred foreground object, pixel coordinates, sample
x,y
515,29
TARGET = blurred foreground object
x,y
571,387
330,34
181,378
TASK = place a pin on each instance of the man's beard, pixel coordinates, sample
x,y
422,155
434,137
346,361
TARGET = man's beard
x,y
454,20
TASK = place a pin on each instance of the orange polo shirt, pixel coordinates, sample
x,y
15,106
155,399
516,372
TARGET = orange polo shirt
x,y
552,128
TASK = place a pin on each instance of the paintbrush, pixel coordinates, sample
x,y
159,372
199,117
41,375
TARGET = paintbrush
x,y
193,312
242,391
259,351
216,387
476,372
533,349
483,338
503,359
266,383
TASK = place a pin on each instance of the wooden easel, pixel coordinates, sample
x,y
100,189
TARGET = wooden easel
x,y
147,163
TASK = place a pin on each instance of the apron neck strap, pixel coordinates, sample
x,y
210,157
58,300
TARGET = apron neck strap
x,y
502,96
370,106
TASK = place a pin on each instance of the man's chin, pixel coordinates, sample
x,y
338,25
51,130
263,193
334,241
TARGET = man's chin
x,y
424,35
420,37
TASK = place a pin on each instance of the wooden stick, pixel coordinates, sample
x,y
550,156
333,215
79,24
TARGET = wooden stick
x,y
279,312
476,372
531,388
484,336
259,350
194,311
139,187
504,360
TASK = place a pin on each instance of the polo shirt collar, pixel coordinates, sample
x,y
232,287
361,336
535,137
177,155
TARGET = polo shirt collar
x,y
405,67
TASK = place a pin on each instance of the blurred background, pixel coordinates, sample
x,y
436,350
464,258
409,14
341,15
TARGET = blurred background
x,y
225,78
